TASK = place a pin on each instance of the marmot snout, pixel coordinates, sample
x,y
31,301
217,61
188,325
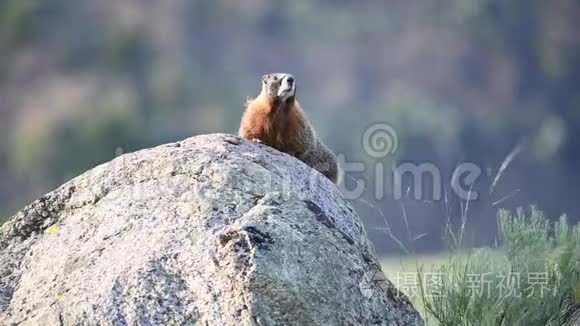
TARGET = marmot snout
x,y
276,119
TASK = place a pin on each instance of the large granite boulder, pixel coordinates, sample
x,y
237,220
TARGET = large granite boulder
x,y
212,230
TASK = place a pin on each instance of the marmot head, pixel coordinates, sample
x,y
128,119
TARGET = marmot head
x,y
279,86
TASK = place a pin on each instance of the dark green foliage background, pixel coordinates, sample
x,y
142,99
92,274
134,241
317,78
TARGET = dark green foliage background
x,y
459,80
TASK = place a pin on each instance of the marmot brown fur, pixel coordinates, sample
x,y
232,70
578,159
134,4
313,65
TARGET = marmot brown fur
x,y
276,119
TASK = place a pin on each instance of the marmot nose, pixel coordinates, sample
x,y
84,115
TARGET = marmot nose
x,y
290,80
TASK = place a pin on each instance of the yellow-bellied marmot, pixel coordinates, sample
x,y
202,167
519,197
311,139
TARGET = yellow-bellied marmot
x,y
276,119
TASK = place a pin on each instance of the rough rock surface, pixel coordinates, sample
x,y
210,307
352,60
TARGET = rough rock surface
x,y
212,230
570,312
573,319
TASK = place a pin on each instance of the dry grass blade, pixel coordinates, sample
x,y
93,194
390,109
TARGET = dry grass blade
x,y
506,197
504,165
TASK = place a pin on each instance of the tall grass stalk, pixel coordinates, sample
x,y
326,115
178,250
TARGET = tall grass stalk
x,y
524,280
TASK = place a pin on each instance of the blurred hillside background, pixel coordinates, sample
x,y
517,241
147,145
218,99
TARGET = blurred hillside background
x,y
459,80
